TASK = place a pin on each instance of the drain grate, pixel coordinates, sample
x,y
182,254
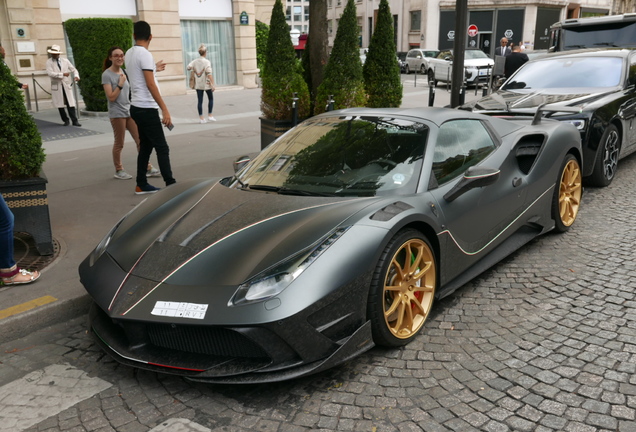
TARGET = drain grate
x,y
26,254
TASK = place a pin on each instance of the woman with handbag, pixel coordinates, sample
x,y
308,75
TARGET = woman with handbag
x,y
202,81
117,89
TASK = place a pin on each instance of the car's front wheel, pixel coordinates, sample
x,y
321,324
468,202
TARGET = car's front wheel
x,y
423,69
607,158
567,194
407,70
402,289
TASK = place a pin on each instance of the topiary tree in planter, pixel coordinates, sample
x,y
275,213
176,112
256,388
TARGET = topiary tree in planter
x,y
21,153
281,78
22,183
343,73
90,39
381,70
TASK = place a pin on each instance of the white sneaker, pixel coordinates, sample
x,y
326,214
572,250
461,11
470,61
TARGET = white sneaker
x,y
202,121
122,175
211,118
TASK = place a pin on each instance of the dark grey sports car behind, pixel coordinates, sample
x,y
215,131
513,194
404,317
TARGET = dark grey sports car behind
x,y
336,237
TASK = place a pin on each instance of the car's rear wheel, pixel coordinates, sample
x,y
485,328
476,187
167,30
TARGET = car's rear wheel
x,y
567,194
407,70
607,158
431,77
403,289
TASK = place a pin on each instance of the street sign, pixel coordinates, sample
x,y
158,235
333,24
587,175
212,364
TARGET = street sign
x,y
472,30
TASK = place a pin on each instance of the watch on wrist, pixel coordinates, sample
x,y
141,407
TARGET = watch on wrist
x,y
120,87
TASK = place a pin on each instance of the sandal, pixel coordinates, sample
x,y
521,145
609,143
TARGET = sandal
x,y
19,276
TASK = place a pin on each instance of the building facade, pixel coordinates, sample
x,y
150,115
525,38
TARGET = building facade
x,y
227,27
430,24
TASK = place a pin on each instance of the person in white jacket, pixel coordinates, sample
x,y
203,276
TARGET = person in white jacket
x,y
203,82
59,70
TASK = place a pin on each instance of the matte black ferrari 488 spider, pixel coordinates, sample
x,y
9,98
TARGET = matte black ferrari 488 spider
x,y
337,237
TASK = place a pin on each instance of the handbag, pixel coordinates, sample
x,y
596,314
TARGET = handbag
x,y
192,79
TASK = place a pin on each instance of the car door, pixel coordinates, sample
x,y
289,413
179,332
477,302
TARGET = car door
x,y
443,65
475,221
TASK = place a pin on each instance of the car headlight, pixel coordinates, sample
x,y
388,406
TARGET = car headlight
x,y
579,124
103,244
274,280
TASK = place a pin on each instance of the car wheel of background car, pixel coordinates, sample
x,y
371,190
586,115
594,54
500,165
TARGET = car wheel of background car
x,y
407,70
422,68
607,160
431,77
567,194
402,289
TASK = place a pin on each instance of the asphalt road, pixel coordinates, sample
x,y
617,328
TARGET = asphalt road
x,y
544,341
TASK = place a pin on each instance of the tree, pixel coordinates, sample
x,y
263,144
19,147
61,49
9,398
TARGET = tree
x,y
381,70
280,75
21,153
343,73
262,33
91,38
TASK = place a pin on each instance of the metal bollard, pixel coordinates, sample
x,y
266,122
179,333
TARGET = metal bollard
x,y
294,109
484,90
431,93
462,94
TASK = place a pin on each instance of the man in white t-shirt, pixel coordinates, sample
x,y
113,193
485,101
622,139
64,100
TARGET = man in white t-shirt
x,y
145,104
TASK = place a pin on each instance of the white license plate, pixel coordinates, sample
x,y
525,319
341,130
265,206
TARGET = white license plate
x,y
483,72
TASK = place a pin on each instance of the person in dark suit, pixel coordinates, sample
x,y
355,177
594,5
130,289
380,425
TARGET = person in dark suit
x,y
514,61
503,49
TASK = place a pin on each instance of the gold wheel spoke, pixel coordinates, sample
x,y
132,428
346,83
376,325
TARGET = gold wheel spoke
x,y
394,305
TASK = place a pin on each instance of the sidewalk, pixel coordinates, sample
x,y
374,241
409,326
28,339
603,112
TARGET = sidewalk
x,y
85,201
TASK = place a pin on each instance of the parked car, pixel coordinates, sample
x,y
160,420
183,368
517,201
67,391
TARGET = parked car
x,y
417,60
336,237
401,55
477,67
599,84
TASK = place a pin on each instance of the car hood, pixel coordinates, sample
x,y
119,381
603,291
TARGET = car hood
x,y
526,101
205,233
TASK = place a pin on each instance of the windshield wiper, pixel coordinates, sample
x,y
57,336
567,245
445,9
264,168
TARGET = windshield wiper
x,y
610,44
264,188
575,46
286,191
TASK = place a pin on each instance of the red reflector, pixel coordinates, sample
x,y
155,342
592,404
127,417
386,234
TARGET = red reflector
x,y
175,367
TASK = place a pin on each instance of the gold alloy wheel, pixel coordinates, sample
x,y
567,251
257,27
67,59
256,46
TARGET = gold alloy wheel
x,y
409,288
570,192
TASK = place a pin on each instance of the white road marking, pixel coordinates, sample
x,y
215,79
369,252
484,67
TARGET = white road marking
x,y
44,393
179,425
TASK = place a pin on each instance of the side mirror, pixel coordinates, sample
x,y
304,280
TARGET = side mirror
x,y
240,163
474,177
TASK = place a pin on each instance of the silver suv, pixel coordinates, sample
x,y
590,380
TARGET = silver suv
x,y
416,60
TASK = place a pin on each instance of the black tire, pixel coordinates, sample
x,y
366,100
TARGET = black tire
x,y
567,194
606,162
431,77
407,70
402,294
423,69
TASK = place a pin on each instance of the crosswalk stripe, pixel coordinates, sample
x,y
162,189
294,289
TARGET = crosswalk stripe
x,y
44,393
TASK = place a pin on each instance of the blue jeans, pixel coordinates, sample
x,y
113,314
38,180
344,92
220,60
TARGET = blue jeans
x,y
6,236
151,137
200,101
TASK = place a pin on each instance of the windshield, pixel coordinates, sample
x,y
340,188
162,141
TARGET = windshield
x,y
341,156
568,72
475,54
622,34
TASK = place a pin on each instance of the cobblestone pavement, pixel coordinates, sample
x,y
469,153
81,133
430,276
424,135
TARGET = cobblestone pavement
x,y
544,341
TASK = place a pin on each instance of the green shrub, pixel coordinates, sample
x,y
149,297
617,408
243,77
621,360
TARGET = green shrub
x,y
262,32
343,73
21,153
280,74
381,70
90,39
